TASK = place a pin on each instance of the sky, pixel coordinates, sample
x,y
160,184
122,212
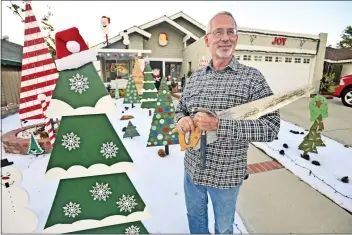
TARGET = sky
x,y
313,17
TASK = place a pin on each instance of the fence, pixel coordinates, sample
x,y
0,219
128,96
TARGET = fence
x,y
10,85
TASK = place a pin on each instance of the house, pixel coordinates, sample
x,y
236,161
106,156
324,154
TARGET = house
x,y
11,66
175,45
338,61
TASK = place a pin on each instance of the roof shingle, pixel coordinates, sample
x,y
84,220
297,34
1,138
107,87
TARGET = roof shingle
x,y
338,54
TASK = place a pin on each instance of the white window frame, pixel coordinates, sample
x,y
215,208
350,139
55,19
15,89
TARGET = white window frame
x,y
258,58
247,57
288,59
278,59
238,57
268,59
306,60
298,60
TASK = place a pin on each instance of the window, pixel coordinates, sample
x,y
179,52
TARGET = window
x,y
258,58
297,60
238,57
268,58
246,57
306,61
278,59
288,60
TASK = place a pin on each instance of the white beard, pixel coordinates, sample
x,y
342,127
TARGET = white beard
x,y
224,54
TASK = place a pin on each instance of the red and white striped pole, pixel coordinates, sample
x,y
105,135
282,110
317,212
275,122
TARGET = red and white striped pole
x,y
48,126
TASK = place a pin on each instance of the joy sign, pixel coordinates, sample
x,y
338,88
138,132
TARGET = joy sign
x,y
279,41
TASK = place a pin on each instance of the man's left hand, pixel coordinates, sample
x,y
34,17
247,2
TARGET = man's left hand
x,y
205,121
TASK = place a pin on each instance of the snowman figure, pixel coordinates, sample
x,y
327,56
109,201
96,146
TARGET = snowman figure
x,y
16,217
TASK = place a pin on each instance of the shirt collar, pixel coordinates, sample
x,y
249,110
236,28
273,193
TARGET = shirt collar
x,y
232,65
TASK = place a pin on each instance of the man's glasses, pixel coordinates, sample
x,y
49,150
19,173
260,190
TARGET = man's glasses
x,y
219,33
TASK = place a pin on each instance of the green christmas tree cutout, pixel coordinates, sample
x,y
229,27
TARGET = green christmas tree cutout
x,y
95,194
130,131
150,92
34,147
131,96
163,120
318,110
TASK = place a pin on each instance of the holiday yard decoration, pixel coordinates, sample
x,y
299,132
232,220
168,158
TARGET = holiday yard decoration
x,y
94,193
318,110
130,131
138,76
163,120
34,147
15,200
131,96
39,73
149,90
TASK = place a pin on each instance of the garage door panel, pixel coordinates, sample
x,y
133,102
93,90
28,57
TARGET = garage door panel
x,y
282,76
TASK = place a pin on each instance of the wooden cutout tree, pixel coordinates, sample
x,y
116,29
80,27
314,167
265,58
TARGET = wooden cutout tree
x,y
138,76
318,110
163,120
150,92
34,147
131,96
130,131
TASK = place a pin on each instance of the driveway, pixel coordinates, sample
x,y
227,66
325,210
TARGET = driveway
x,y
337,126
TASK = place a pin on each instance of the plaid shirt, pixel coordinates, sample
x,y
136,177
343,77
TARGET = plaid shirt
x,y
226,159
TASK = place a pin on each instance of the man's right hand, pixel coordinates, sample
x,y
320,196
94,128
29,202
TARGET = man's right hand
x,y
185,125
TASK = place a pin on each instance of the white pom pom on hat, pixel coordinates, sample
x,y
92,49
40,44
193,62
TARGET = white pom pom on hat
x,y
73,46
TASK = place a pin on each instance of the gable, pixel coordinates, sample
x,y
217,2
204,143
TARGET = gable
x,y
165,19
190,27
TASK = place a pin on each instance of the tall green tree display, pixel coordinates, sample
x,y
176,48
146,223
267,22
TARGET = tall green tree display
x,y
318,110
163,120
149,90
95,195
131,96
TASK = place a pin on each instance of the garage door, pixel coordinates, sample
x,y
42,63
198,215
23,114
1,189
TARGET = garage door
x,y
282,72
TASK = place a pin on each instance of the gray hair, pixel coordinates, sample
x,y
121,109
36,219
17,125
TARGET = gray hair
x,y
218,14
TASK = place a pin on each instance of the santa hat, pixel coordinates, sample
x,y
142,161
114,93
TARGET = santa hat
x,y
71,50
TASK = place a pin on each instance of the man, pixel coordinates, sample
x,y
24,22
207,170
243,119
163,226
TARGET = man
x,y
223,84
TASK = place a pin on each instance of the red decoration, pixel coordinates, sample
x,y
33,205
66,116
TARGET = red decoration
x,y
165,129
279,41
160,110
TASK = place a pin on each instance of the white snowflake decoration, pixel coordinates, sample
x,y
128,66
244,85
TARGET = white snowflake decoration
x,y
70,141
126,203
72,209
109,150
132,230
100,191
79,83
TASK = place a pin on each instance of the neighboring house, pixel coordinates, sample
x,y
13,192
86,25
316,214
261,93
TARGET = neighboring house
x,y
175,45
11,67
161,40
338,60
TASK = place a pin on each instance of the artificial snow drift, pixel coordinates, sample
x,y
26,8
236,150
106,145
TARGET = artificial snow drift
x,y
159,181
335,163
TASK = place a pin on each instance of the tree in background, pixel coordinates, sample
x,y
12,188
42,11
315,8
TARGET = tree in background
x,y
163,120
45,20
150,92
131,96
318,110
346,36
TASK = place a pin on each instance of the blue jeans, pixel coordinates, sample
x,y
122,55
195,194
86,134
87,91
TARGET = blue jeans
x,y
224,205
